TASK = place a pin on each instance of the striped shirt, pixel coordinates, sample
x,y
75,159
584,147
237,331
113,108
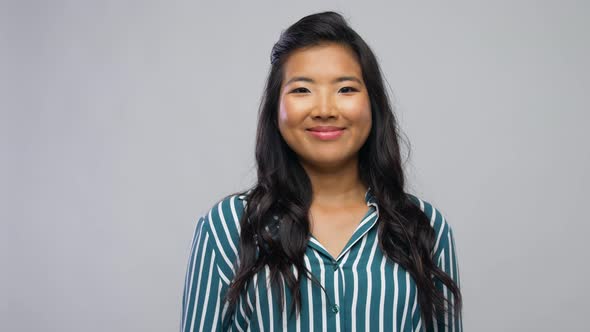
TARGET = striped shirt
x,y
364,291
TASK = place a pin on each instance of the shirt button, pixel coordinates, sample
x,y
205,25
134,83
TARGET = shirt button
x,y
335,308
335,266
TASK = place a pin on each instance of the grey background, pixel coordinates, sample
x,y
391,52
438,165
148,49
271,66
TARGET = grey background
x,y
121,122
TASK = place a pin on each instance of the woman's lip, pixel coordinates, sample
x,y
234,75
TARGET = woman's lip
x,y
326,135
326,128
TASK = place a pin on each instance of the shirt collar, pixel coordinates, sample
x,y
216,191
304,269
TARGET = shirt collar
x,y
361,230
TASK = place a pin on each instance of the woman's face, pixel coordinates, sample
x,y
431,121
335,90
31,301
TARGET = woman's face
x,y
323,86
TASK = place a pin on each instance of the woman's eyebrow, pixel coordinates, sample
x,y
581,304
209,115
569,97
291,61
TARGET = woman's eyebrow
x,y
336,80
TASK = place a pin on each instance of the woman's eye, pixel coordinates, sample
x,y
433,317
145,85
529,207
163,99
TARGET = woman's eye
x,y
299,89
348,87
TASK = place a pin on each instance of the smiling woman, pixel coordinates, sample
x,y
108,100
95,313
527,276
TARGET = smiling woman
x,y
327,239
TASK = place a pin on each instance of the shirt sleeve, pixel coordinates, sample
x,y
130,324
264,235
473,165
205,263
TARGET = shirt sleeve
x,y
446,259
203,307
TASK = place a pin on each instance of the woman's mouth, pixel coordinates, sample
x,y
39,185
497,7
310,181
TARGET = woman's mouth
x,y
326,133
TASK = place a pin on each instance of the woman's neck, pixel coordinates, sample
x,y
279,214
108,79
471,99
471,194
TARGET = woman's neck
x,y
337,186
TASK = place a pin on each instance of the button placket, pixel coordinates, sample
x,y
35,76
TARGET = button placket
x,y
334,307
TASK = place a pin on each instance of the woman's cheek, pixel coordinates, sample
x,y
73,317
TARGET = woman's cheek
x,y
291,113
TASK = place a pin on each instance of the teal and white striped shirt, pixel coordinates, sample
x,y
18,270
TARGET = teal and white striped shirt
x,y
364,290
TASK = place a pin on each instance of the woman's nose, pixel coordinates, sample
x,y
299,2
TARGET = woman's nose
x,y
325,107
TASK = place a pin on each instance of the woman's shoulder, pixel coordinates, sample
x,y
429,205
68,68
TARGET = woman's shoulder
x,y
222,222
438,221
224,215
426,206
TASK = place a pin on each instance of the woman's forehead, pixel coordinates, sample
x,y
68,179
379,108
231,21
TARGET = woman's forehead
x,y
322,64
322,55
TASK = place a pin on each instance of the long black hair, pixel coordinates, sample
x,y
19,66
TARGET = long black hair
x,y
284,189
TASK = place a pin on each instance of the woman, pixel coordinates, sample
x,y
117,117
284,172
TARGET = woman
x,y
327,239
